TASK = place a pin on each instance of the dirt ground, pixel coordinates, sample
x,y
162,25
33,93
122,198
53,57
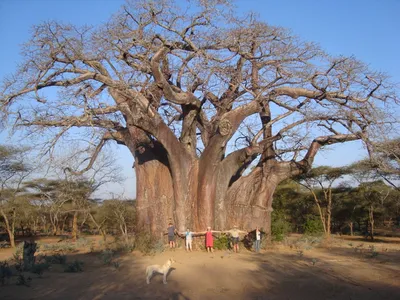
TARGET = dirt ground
x,y
345,268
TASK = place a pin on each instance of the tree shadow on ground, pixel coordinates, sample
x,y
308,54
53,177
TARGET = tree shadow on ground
x,y
270,275
305,278
97,281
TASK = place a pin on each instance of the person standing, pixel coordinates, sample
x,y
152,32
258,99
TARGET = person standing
x,y
235,237
189,238
171,235
258,239
209,240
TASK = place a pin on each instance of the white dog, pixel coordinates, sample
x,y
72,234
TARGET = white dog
x,y
150,270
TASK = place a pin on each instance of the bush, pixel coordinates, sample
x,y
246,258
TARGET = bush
x,y
280,228
74,267
83,243
18,252
40,268
116,265
61,246
222,242
144,243
313,226
107,256
21,280
56,259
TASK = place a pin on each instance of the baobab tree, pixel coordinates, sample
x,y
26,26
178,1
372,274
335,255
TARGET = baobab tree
x,y
216,109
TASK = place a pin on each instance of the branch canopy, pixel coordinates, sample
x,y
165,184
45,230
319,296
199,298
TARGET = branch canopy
x,y
194,76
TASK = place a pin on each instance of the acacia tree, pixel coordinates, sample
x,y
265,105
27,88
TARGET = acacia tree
x,y
384,161
197,95
13,171
319,181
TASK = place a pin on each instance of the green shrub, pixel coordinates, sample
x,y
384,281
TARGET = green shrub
x,y
116,265
74,267
56,259
82,243
18,252
21,280
107,256
280,227
61,246
313,226
144,243
222,242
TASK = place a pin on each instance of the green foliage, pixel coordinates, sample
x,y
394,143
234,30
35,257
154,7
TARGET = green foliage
x,y
373,251
56,259
82,243
280,227
107,256
116,265
18,252
74,267
59,247
313,226
146,244
222,242
124,245
17,258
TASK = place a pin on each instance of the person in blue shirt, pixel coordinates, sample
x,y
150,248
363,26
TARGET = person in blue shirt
x,y
189,238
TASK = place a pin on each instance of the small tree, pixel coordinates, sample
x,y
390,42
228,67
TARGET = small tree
x,y
13,171
120,213
319,181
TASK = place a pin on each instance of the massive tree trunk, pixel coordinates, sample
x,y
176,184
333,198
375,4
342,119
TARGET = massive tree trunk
x,y
211,195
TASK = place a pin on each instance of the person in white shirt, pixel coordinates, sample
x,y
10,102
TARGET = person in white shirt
x,y
258,239
189,238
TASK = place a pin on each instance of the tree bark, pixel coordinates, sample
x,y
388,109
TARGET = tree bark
x,y
63,224
10,227
351,228
329,213
75,226
12,239
371,221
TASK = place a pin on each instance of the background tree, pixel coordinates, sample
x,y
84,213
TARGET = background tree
x,y
120,215
384,161
13,170
320,182
197,95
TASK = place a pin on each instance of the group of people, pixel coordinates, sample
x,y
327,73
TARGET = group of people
x,y
209,242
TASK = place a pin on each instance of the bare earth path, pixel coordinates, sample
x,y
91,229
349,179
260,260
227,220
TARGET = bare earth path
x,y
338,272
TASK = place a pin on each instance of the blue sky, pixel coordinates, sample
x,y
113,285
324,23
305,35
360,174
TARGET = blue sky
x,y
367,29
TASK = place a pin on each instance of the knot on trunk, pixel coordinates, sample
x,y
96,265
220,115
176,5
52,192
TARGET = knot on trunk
x,y
224,127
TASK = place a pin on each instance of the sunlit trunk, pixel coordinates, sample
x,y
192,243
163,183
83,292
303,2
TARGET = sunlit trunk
x,y
10,227
75,226
351,228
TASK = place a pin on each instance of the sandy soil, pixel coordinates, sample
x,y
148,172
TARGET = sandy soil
x,y
343,269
